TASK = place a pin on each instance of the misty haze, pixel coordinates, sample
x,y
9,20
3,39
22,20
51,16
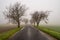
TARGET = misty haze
x,y
29,19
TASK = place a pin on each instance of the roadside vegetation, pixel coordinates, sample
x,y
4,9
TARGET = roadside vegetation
x,y
6,35
50,32
55,28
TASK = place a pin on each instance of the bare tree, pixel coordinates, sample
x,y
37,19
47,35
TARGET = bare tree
x,y
39,16
14,12
32,21
25,20
35,16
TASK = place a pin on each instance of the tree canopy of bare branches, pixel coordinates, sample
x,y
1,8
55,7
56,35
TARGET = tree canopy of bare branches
x,y
32,21
25,20
40,16
14,12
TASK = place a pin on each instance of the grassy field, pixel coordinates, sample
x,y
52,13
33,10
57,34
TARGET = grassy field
x,y
51,30
6,35
7,30
55,28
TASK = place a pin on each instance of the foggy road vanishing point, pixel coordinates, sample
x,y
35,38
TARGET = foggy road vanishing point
x,y
30,33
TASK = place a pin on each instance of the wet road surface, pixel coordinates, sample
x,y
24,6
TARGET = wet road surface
x,y
28,33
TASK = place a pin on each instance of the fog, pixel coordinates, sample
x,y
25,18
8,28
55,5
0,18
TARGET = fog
x,y
33,5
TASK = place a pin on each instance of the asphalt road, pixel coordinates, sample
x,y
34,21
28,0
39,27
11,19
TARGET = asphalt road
x,y
28,33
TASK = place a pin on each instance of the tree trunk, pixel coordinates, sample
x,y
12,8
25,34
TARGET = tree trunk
x,y
18,24
37,24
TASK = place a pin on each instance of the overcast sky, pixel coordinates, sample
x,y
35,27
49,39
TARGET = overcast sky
x,y
33,5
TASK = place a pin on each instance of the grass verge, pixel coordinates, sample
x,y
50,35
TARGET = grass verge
x,y
50,32
6,35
